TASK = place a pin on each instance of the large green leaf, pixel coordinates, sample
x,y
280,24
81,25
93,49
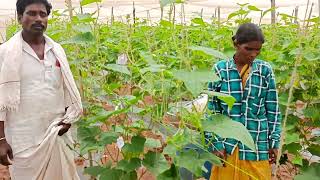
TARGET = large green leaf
x,y
293,148
147,57
297,160
225,127
136,146
86,2
80,39
155,162
153,143
94,170
209,51
84,132
314,114
193,161
129,165
154,68
292,138
112,174
309,173
109,138
195,81
170,149
130,176
253,8
119,68
230,100
170,174
82,28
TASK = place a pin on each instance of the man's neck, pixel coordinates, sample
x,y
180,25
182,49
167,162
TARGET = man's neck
x,y
33,39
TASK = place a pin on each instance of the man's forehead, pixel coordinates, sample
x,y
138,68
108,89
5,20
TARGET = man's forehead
x,y
36,7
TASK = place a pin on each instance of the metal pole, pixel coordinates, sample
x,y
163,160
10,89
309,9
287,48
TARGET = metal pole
x,y
219,16
273,12
319,7
296,11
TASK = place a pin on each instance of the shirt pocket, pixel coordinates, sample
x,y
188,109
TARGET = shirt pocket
x,y
53,75
57,77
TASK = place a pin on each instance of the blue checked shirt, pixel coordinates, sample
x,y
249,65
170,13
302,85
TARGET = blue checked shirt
x,y
256,107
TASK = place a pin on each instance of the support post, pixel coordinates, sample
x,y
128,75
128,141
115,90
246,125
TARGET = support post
x,y
273,12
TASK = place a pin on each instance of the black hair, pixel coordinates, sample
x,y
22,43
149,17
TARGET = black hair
x,y
22,4
248,32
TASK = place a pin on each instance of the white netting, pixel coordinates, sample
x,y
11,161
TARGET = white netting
x,y
151,9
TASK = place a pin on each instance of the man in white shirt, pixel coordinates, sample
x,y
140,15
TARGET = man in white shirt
x,y
38,100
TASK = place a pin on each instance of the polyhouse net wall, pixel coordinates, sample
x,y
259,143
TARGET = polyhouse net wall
x,y
151,10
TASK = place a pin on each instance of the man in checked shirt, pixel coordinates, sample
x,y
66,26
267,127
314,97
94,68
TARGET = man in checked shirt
x,y
251,82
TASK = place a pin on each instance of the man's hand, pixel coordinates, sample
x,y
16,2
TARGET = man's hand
x,y
64,129
5,152
273,153
221,154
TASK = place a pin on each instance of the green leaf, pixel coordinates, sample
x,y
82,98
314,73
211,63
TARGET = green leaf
x,y
312,112
297,160
83,28
119,68
80,39
83,18
155,162
136,146
231,15
293,148
130,176
315,19
267,11
194,161
195,81
153,143
170,174
170,149
314,149
166,23
130,165
86,2
311,56
94,170
198,21
225,127
109,138
112,174
87,132
292,138
253,8
309,173
209,51
230,100
155,68
147,57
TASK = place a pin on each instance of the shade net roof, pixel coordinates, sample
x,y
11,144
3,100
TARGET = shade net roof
x,y
151,9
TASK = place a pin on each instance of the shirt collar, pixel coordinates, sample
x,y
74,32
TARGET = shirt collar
x,y
233,65
26,47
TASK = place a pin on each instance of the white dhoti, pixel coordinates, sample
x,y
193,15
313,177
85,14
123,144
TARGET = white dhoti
x,y
51,160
